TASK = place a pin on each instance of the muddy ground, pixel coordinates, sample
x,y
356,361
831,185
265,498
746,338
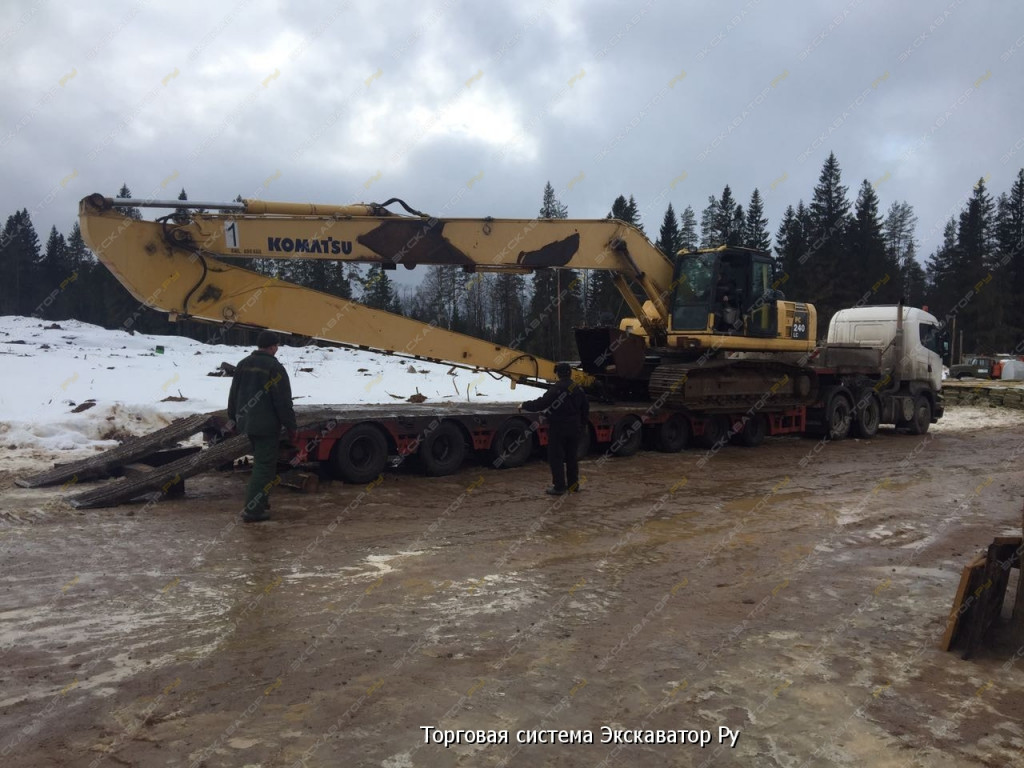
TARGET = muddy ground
x,y
795,593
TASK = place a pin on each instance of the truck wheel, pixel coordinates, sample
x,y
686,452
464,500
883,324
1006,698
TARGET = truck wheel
x,y
442,450
512,445
838,415
359,455
922,417
626,436
716,431
673,434
868,417
754,431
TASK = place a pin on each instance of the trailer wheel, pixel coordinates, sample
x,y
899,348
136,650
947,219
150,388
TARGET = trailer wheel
x,y
754,431
512,445
359,455
673,434
867,417
838,416
626,436
716,431
442,450
922,417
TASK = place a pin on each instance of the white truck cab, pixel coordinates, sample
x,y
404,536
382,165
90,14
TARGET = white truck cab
x,y
876,327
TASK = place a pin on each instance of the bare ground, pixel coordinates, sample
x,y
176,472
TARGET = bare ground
x,y
795,593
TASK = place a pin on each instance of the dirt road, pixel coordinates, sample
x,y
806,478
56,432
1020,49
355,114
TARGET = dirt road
x,y
793,594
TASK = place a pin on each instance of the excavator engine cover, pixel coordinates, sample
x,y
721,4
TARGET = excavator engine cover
x,y
610,351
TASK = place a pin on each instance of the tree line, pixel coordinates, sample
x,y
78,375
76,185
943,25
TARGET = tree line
x,y
830,252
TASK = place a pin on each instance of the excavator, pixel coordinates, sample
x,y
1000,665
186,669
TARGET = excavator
x,y
709,330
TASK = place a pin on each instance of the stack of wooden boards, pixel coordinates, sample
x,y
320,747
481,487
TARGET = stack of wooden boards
x,y
980,596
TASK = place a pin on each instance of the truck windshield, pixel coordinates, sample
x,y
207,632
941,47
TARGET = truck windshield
x,y
695,274
931,338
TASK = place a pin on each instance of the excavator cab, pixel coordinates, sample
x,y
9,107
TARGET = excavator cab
x,y
726,290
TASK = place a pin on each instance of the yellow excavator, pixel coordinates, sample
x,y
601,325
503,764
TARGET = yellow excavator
x,y
711,332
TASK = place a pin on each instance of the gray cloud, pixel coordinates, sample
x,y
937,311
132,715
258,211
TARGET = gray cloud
x,y
469,108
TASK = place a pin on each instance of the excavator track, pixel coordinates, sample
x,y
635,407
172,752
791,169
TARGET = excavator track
x,y
728,386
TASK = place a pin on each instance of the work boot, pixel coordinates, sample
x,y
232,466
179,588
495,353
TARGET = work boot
x,y
552,491
256,513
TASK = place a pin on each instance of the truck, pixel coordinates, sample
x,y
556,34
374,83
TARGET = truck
x,y
712,353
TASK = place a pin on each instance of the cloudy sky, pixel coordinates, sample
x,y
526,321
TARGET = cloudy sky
x,y
467,108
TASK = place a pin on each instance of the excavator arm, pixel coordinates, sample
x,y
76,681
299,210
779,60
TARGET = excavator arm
x,y
182,268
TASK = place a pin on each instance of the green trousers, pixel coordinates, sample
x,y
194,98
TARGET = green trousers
x,y
264,473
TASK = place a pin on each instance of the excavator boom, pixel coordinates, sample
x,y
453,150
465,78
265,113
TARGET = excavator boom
x,y
182,268
181,264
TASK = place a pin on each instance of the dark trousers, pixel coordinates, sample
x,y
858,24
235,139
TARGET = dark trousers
x,y
563,440
264,473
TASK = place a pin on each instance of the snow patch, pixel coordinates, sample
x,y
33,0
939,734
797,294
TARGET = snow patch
x,y
53,368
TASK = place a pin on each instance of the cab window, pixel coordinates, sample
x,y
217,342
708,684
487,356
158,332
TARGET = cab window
x,y
931,338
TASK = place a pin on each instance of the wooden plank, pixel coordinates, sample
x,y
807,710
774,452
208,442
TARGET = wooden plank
x,y
137,468
980,595
1007,541
989,595
163,478
130,450
1017,620
953,622
175,489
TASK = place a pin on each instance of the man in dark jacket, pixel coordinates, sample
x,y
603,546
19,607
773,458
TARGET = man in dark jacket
x,y
568,412
259,405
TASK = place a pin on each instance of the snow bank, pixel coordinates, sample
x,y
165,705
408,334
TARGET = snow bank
x,y
134,383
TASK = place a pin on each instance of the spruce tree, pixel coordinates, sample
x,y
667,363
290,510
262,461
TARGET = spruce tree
x,y
738,230
477,296
709,217
508,307
668,235
329,276
939,277
825,267
973,269
723,221
551,207
55,277
791,245
755,232
21,289
131,211
83,292
1010,249
913,281
379,292
725,218
874,275
688,239
901,249
439,295
181,215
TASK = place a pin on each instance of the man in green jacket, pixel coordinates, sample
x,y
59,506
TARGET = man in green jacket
x,y
259,405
